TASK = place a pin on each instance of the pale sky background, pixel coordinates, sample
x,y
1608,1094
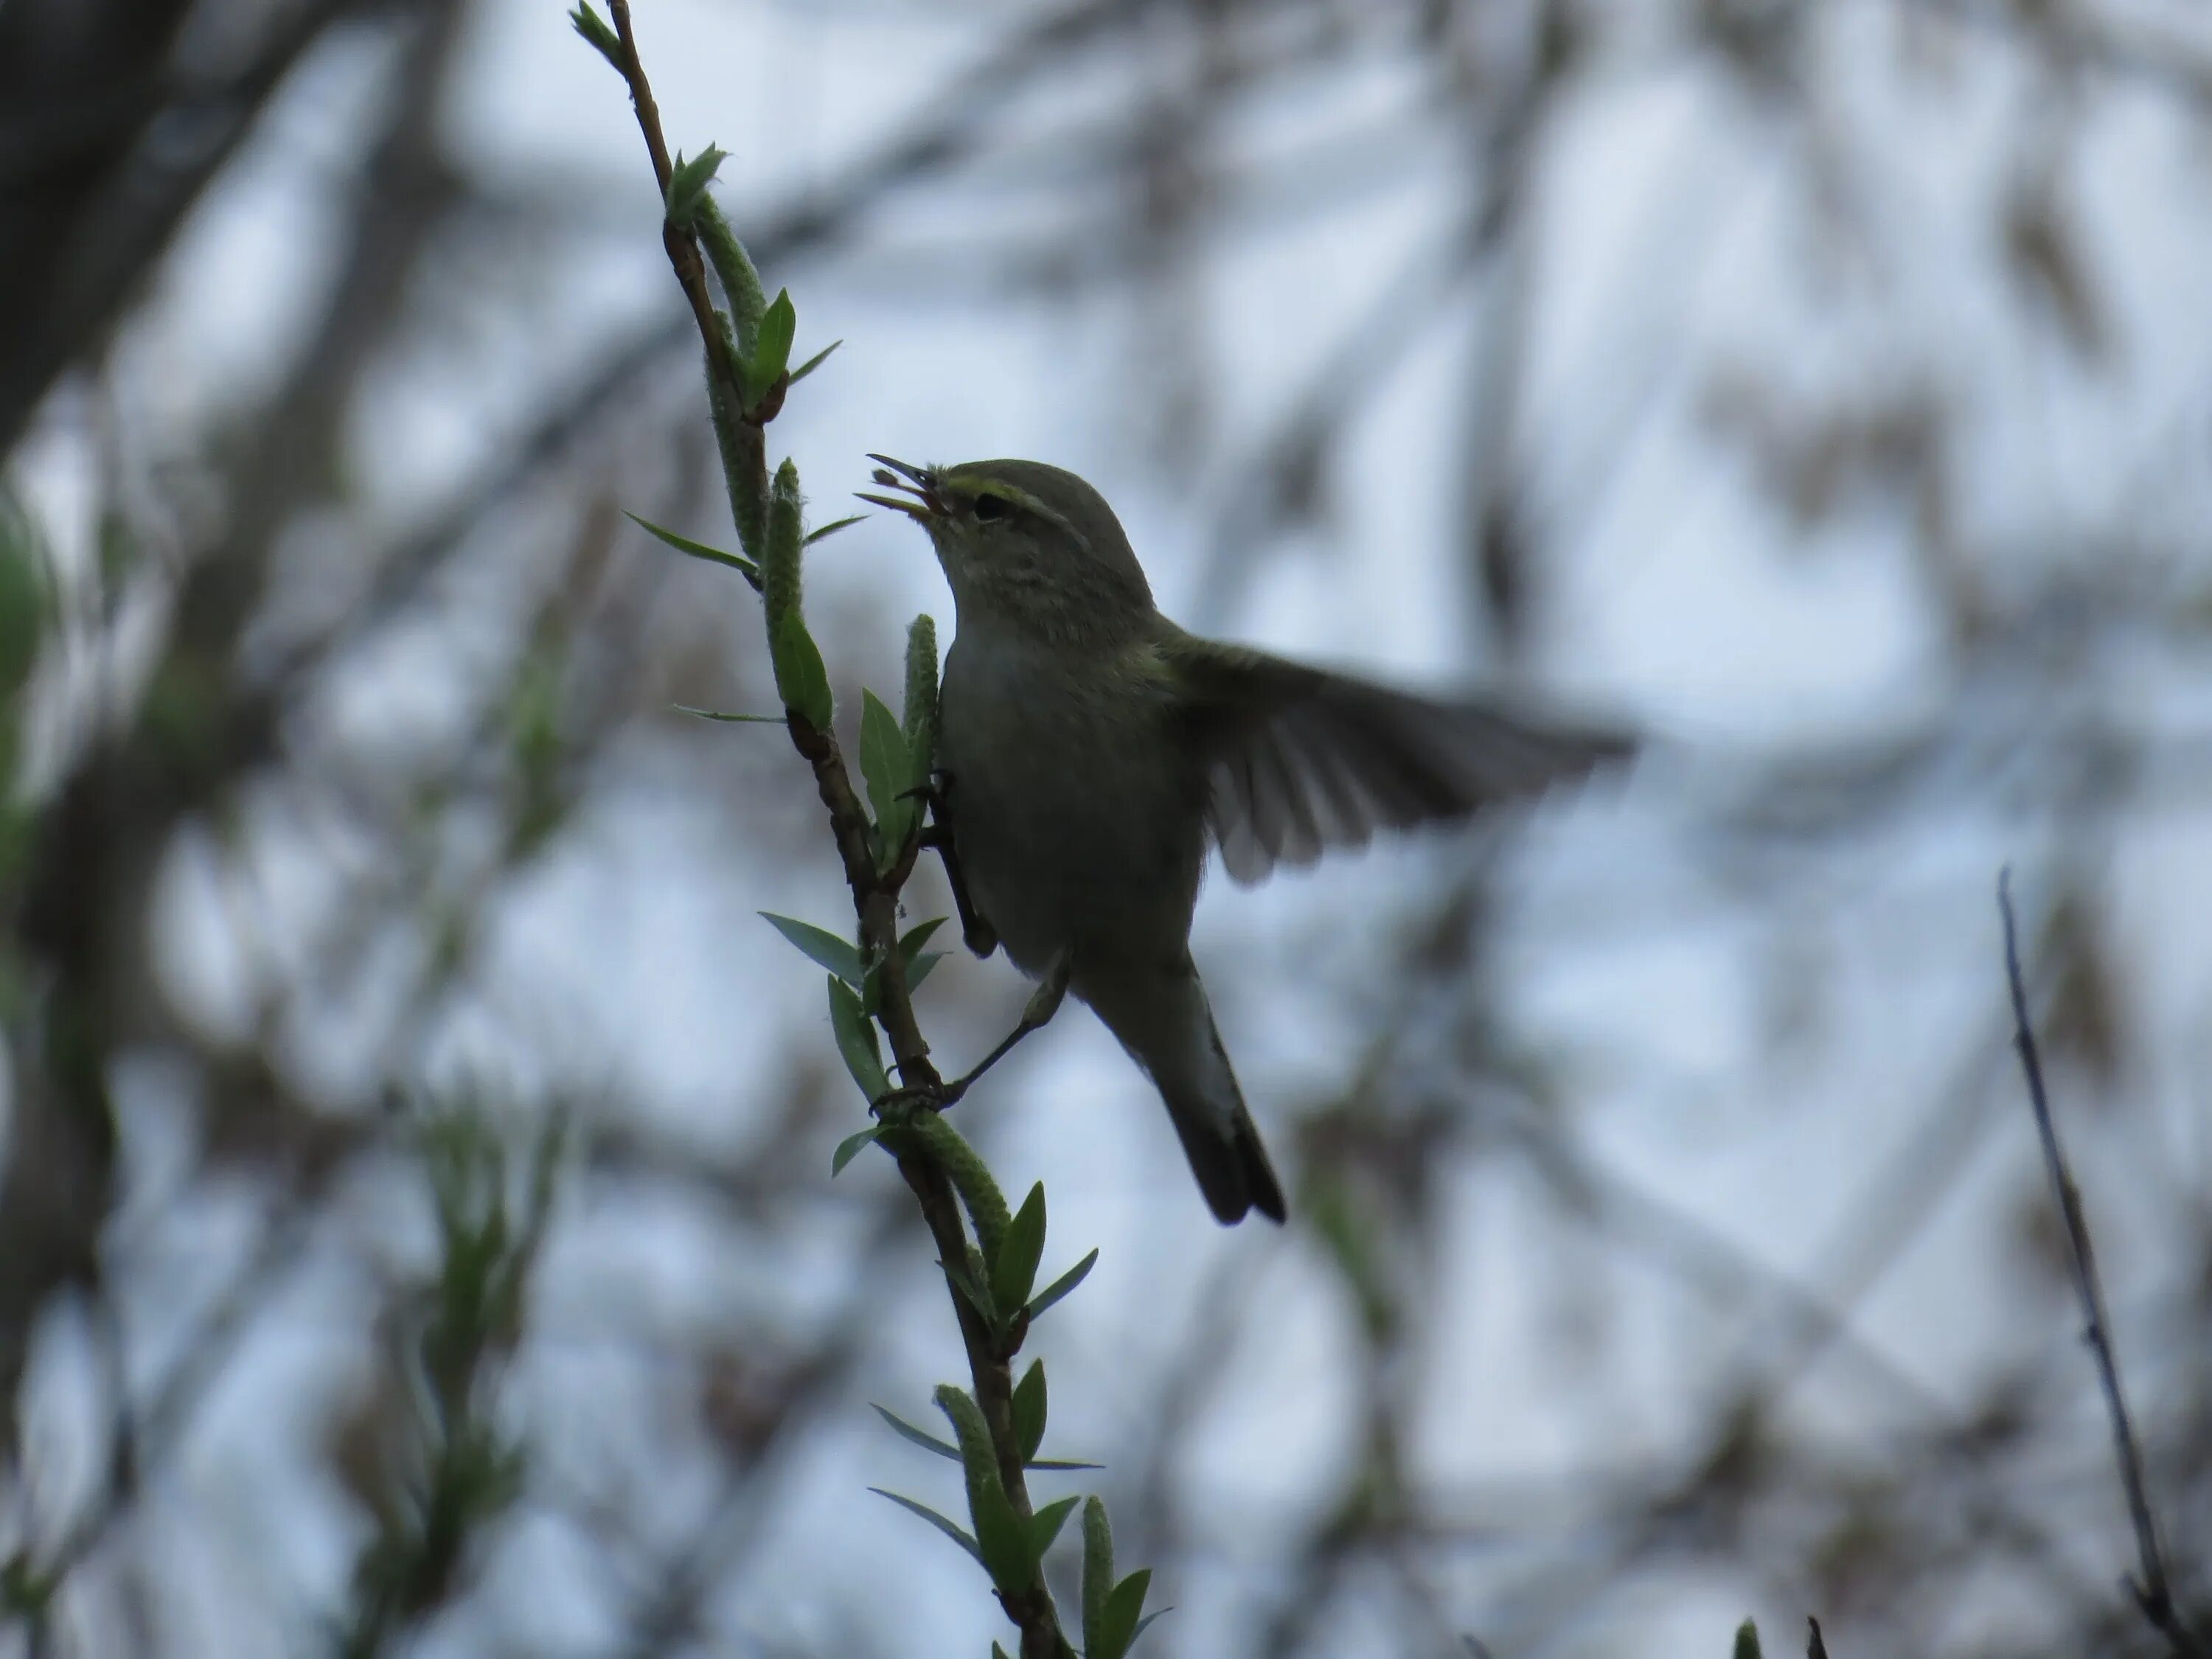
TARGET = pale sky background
x,y
1672,248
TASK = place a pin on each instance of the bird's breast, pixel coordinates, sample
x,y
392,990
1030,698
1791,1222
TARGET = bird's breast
x,y
1074,812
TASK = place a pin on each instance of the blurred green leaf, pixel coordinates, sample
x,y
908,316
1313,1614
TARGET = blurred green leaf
x,y
849,1148
800,679
888,769
922,1438
833,527
1028,1410
1045,1525
1747,1640
1061,1285
688,182
719,715
822,948
923,966
1013,1273
950,1529
813,363
856,1040
737,561
771,351
1117,1623
912,940
596,30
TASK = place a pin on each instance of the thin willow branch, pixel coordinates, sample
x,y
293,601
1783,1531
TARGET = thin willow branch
x,y
875,902
2153,1593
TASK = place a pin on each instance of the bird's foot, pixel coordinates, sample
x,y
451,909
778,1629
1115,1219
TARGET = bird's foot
x,y
932,1096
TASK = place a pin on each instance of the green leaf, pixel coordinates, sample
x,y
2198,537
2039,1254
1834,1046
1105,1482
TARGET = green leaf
x,y
1005,1544
822,948
1145,1623
1061,1285
973,1292
888,769
1117,1624
1029,1405
1747,1640
951,1530
1045,1525
833,527
718,714
1013,1273
800,679
595,29
814,362
922,1438
912,940
737,561
856,1040
688,182
1056,1464
997,1652
921,967
849,1148
771,349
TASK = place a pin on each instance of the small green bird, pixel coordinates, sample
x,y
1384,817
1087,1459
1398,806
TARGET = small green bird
x,y
1089,751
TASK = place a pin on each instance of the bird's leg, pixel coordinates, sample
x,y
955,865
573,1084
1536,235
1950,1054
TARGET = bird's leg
x,y
1044,1002
980,937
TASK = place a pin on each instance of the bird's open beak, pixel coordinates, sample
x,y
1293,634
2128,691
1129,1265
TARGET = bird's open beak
x,y
919,502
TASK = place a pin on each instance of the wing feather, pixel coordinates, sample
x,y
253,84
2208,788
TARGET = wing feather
x,y
1300,760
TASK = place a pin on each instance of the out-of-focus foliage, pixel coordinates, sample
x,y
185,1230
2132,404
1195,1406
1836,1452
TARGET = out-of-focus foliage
x,y
1829,384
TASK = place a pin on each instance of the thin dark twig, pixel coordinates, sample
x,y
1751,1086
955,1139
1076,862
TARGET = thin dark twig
x,y
2151,1591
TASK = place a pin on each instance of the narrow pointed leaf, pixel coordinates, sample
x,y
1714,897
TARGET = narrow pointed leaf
x,y
1125,1604
915,937
737,561
856,1040
719,715
822,948
973,1292
688,182
814,362
849,1148
1059,1464
922,1438
800,679
595,29
888,769
922,968
772,348
1045,1524
1013,1273
833,527
1061,1285
950,1529
1029,1406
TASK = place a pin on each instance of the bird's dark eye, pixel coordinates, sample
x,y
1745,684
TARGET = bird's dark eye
x,y
988,507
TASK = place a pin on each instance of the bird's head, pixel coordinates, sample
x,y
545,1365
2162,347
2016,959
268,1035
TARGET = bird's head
x,y
1025,547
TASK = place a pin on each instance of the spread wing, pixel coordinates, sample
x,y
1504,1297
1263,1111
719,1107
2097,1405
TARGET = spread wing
x,y
1300,759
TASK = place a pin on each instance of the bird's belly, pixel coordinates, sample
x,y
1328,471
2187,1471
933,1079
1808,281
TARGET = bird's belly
x,y
1071,826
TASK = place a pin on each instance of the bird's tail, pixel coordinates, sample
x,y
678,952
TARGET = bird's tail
x,y
1165,1023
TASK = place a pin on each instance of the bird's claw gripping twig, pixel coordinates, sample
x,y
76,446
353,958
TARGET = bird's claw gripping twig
x,y
1044,1002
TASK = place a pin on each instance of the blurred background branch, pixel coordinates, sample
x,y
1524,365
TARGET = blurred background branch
x,y
1824,385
